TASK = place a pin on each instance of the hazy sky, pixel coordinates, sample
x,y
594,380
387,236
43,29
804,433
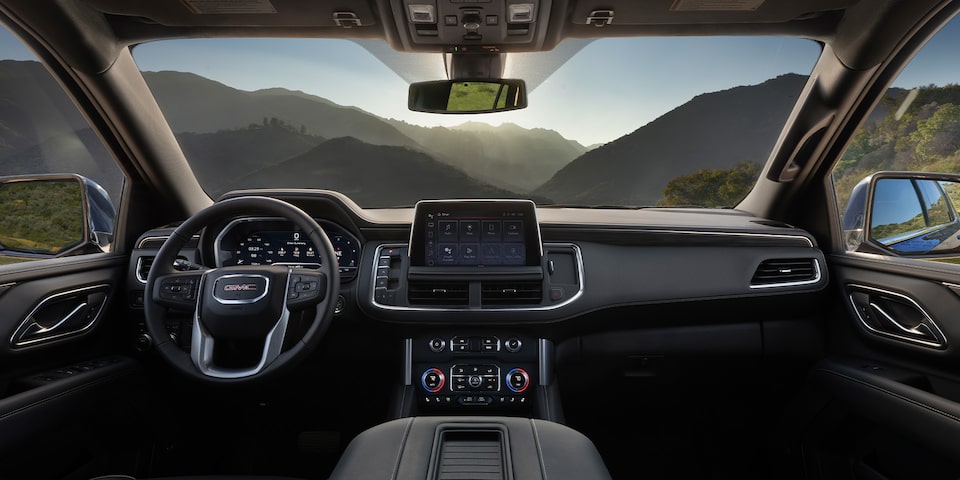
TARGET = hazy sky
x,y
610,88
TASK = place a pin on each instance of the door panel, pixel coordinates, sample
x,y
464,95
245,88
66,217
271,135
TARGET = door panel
x,y
62,372
885,404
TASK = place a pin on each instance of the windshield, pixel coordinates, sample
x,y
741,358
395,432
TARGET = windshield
x,y
611,122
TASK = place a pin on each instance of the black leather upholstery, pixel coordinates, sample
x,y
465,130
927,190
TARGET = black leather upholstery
x,y
205,477
407,449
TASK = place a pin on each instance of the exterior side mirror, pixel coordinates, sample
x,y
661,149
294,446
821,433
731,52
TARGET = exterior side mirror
x,y
911,214
460,96
43,216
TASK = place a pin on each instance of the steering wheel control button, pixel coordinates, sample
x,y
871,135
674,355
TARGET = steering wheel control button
x,y
518,380
179,289
305,289
513,345
437,345
432,380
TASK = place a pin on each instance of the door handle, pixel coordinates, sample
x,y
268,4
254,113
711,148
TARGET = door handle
x,y
35,329
894,315
921,329
61,315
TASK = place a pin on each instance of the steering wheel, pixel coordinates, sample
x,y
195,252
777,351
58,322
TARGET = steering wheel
x,y
240,307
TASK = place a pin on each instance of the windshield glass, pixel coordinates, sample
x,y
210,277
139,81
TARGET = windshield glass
x,y
613,122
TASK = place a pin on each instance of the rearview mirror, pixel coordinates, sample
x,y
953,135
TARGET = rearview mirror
x,y
905,213
43,216
458,96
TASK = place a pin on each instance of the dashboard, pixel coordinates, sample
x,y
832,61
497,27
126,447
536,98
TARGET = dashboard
x,y
482,296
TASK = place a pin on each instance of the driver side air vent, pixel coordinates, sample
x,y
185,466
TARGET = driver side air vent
x,y
143,268
438,293
511,293
786,272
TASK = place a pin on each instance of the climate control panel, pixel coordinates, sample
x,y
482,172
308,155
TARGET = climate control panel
x,y
469,371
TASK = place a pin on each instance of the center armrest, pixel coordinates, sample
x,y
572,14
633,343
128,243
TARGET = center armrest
x,y
480,447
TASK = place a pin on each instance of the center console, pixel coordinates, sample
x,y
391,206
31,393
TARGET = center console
x,y
471,447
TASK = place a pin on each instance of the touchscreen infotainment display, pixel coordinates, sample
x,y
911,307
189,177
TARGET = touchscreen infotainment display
x,y
475,233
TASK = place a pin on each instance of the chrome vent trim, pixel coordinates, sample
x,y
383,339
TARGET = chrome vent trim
x,y
143,268
154,243
786,272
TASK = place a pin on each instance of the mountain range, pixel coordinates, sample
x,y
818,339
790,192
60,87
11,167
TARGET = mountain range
x,y
713,130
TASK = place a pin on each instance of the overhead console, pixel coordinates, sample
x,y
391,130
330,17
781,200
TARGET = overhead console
x,y
480,255
472,26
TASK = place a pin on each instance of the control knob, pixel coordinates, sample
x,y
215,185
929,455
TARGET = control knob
x,y
518,380
433,380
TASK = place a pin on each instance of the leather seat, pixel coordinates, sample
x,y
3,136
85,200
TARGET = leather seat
x,y
199,477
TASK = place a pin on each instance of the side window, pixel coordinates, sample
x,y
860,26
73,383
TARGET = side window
x,y
59,186
915,128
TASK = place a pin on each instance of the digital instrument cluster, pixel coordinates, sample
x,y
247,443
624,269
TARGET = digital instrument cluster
x,y
256,241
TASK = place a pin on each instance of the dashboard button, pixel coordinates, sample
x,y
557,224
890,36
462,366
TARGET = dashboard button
x,y
437,344
513,345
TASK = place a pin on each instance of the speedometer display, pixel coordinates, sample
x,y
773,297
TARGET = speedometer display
x,y
269,248
252,242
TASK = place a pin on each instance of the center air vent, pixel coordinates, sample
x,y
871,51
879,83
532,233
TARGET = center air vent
x,y
438,293
786,272
511,293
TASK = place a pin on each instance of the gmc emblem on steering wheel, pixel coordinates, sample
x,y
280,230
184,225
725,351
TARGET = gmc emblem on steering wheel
x,y
240,288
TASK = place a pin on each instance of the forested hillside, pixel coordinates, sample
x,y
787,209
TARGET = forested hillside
x,y
918,135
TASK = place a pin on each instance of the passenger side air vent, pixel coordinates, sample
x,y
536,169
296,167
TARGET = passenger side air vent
x,y
143,268
511,293
786,272
438,293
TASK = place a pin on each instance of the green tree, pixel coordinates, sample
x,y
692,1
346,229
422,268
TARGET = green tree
x,y
711,187
938,135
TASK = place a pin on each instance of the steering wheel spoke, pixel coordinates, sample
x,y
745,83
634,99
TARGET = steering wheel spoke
x,y
305,289
177,290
